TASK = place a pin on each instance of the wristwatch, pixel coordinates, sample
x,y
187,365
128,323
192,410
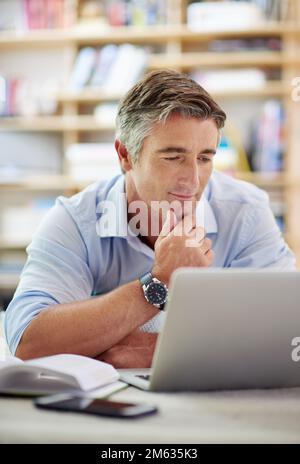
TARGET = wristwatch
x,y
155,291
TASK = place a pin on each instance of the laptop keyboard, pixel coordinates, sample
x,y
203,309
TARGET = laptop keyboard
x,y
144,377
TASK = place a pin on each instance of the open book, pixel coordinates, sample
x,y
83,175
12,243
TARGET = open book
x,y
59,373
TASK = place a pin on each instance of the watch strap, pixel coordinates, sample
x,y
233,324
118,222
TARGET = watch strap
x,y
146,278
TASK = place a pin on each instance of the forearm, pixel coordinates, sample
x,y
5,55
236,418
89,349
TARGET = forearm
x,y
88,327
135,351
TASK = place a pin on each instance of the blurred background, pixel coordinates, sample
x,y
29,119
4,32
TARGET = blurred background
x,y
64,64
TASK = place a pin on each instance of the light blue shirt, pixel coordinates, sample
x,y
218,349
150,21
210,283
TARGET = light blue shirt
x,y
68,260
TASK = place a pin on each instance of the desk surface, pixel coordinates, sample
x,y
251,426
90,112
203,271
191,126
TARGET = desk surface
x,y
257,416
250,416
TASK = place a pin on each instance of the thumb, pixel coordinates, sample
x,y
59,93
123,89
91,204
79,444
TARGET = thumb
x,y
169,224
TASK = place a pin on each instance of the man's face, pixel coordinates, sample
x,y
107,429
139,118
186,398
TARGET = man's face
x,y
176,161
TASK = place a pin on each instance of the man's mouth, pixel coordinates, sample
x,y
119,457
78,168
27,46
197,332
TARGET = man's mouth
x,y
180,196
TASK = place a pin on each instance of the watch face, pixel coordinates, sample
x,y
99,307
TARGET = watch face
x,y
156,293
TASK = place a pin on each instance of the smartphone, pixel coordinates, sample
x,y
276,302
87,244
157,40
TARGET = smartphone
x,y
101,407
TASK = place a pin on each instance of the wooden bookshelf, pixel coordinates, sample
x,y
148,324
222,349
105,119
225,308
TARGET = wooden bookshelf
x,y
187,61
45,183
265,30
177,42
269,180
270,89
87,95
39,38
136,34
54,124
94,95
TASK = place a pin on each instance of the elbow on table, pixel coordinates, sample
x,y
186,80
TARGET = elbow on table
x,y
25,351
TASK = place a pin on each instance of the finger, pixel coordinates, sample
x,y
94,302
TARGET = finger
x,y
169,223
205,247
185,226
209,255
207,242
173,219
196,237
199,234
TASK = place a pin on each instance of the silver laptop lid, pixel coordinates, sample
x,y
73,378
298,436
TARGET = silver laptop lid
x,y
228,329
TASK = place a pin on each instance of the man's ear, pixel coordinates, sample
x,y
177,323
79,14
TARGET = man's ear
x,y
124,156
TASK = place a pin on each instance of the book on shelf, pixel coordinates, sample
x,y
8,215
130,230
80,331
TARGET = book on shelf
x,y
27,97
231,156
104,61
113,69
118,13
92,161
11,15
245,44
128,66
70,373
225,80
9,96
37,14
136,12
83,67
261,147
223,15
268,140
237,14
227,157
56,14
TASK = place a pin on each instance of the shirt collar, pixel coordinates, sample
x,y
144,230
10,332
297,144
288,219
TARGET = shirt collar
x,y
112,221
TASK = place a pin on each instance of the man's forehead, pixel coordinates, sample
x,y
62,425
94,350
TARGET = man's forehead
x,y
183,135
180,149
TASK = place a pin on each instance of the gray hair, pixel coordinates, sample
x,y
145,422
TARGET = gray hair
x,y
154,99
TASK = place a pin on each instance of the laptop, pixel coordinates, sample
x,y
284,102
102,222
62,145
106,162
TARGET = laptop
x,y
226,329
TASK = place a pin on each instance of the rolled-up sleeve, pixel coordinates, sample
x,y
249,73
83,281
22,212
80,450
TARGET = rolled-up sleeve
x,y
56,271
261,242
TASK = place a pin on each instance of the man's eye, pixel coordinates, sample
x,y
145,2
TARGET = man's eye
x,y
203,159
172,158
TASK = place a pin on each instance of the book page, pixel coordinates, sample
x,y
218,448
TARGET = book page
x,y
88,372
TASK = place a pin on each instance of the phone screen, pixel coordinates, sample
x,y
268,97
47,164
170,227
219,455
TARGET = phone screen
x,y
94,406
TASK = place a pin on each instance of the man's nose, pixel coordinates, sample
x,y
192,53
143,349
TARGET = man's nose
x,y
189,176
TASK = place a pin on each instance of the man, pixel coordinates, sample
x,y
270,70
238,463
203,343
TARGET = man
x,y
95,284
